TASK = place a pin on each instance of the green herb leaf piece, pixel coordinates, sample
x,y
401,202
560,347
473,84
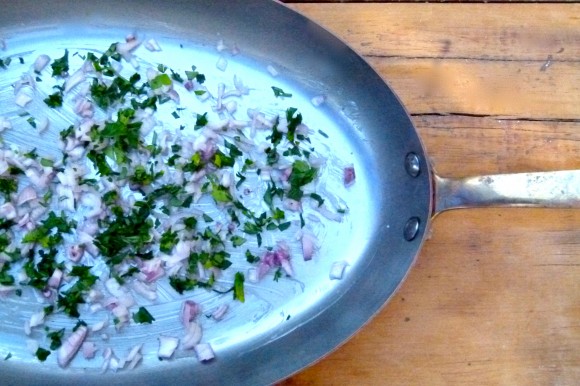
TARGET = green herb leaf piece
x,y
142,316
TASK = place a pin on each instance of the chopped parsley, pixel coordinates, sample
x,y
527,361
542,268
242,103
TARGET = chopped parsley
x,y
277,274
126,233
108,95
142,316
168,240
251,258
55,338
49,233
182,284
69,300
8,186
160,81
4,63
42,354
200,121
237,240
60,66
278,92
239,287
54,100
302,174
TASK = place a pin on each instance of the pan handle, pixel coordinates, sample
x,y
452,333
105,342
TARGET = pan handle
x,y
560,189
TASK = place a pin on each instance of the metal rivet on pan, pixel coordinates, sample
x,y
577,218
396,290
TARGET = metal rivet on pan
x,y
412,164
411,228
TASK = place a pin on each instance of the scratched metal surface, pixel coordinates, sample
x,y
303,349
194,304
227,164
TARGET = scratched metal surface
x,y
285,325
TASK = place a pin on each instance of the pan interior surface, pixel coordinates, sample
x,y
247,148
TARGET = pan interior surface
x,y
283,326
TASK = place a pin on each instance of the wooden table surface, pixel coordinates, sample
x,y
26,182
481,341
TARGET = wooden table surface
x,y
494,297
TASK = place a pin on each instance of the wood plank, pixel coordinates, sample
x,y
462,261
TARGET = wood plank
x,y
484,145
499,88
475,31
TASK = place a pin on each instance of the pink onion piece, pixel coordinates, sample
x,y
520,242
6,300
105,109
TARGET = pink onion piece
x,y
292,205
167,346
272,70
41,62
318,100
76,78
189,311
193,334
22,99
71,346
221,64
121,314
204,352
278,257
5,124
75,253
308,245
153,269
27,194
337,270
152,45
348,176
89,349
220,312
37,319
7,211
55,278
6,290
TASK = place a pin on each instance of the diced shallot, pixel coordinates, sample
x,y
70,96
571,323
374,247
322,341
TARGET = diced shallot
x,y
99,325
292,205
126,48
7,211
272,70
76,78
89,349
4,124
337,270
221,46
348,176
27,194
189,311
146,290
37,319
221,64
152,45
204,352
220,312
308,245
167,346
71,346
318,100
41,62
76,252
55,278
134,351
252,275
121,314
22,99
193,334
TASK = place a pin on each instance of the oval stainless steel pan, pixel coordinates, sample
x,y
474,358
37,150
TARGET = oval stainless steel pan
x,y
391,204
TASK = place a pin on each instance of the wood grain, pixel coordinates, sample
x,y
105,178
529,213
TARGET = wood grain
x,y
494,297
